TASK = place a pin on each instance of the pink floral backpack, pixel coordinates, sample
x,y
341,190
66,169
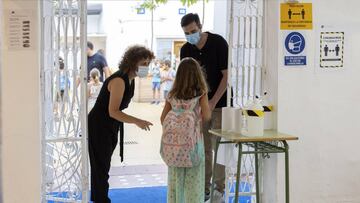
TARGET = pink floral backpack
x,y
180,146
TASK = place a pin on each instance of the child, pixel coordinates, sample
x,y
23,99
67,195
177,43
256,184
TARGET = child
x,y
62,88
167,77
156,80
188,95
94,87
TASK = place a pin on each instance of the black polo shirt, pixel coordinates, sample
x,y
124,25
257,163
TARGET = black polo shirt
x,y
213,57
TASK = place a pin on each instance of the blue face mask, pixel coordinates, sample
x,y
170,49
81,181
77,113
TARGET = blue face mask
x,y
193,38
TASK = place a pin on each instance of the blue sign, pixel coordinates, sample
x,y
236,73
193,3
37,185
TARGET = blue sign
x,y
182,11
295,60
140,11
295,45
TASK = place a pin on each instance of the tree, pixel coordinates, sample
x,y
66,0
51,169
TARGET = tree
x,y
152,4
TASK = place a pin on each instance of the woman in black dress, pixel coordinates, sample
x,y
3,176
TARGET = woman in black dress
x,y
106,118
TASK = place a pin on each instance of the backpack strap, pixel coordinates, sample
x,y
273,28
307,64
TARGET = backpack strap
x,y
196,101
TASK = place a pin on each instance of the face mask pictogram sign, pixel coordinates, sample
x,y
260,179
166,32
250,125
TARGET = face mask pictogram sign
x,y
294,49
331,49
296,16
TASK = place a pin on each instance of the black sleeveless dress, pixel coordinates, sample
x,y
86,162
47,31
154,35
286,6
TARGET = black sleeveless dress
x,y
103,136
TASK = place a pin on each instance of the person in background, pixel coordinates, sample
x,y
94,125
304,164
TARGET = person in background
x,y
94,87
98,61
211,50
156,82
101,52
186,184
64,86
107,118
167,77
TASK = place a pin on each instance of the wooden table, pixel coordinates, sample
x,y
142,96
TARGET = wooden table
x,y
266,144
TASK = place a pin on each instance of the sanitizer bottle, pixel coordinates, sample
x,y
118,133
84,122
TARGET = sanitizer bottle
x,y
255,119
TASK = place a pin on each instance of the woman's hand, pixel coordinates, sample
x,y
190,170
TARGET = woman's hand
x,y
144,125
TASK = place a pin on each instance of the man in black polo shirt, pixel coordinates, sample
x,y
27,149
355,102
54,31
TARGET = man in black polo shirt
x,y
98,61
211,51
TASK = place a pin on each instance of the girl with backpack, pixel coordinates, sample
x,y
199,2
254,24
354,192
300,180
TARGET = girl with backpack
x,y
182,142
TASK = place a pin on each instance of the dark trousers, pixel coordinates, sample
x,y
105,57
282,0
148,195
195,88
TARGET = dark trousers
x,y
102,142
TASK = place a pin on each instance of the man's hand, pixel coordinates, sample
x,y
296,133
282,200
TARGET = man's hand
x,y
107,72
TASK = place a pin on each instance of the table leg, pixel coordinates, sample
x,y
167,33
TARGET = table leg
x,y
214,164
238,171
287,189
257,176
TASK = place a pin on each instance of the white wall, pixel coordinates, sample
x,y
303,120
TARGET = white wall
x,y
270,171
321,107
124,27
220,20
1,36
20,101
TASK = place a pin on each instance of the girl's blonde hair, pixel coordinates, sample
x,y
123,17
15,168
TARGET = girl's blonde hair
x,y
95,74
189,81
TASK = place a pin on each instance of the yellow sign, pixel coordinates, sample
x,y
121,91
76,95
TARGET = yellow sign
x,y
296,16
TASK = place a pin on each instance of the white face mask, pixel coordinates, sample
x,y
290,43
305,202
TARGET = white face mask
x,y
142,71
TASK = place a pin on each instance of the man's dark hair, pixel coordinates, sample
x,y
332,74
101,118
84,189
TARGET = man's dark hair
x,y
189,18
90,45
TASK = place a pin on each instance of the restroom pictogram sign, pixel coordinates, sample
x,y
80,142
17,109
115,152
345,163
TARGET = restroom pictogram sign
x,y
296,16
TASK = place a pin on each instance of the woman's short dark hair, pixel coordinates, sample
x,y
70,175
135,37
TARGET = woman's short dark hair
x,y
189,18
133,55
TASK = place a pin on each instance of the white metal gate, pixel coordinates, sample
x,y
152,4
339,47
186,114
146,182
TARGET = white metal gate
x,y
247,50
64,114
1,198
246,56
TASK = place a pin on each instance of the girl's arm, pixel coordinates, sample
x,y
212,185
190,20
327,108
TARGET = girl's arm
x,y
165,111
116,88
205,109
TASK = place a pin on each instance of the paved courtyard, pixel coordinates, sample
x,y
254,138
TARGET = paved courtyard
x,y
142,164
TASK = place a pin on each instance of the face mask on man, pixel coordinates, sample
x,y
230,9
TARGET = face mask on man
x,y
193,38
142,71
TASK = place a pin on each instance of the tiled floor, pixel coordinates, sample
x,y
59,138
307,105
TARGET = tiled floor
x,y
142,166
138,176
144,146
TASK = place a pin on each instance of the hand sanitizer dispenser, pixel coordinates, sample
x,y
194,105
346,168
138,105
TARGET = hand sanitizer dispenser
x,y
268,112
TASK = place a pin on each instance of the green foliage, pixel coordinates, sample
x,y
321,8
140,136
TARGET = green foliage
x,y
152,4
